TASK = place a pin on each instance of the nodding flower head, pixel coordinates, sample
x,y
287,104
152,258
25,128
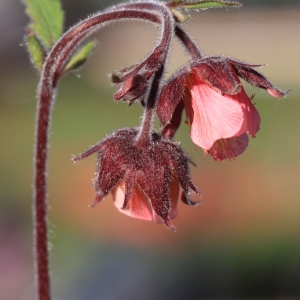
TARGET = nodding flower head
x,y
220,113
144,180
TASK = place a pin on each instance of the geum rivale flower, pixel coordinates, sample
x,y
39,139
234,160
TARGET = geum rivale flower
x,y
220,113
144,179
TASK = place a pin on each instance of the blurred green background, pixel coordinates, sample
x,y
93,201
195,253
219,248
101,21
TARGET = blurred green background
x,y
243,242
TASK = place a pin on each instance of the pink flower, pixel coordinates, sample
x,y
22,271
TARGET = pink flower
x,y
220,113
144,180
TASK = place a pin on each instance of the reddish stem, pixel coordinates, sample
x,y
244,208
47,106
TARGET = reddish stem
x,y
144,136
189,44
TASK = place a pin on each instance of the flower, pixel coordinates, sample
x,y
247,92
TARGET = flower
x,y
143,179
220,113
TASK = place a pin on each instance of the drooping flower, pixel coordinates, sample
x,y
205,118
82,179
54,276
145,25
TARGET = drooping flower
x,y
144,181
220,113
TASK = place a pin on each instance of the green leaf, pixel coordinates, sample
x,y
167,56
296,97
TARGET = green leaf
x,y
80,57
35,49
204,4
46,20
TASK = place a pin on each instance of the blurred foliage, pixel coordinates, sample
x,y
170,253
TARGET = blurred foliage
x,y
80,57
36,51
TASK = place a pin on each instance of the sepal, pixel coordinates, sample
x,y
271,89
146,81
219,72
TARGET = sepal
x,y
248,73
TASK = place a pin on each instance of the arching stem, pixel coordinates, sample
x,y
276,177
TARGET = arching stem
x,y
50,75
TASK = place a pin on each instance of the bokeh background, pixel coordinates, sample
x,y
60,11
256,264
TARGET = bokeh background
x,y
242,242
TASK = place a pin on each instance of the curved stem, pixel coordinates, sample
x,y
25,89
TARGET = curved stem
x,y
52,71
144,136
189,44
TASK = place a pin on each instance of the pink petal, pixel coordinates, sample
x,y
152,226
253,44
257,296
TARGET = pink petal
x,y
215,116
251,116
229,148
138,205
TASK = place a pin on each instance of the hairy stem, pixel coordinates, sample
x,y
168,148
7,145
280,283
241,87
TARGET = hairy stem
x,y
144,136
51,73
188,43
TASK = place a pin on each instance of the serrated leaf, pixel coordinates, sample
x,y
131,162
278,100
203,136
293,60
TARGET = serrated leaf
x,y
80,57
179,16
35,49
204,4
46,20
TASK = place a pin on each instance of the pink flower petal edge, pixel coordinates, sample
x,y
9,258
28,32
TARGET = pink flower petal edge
x,y
229,148
139,206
